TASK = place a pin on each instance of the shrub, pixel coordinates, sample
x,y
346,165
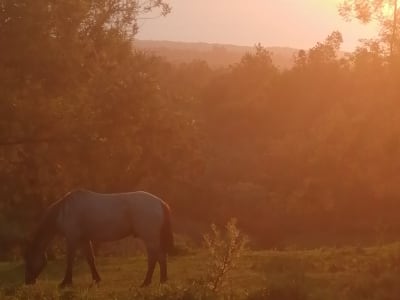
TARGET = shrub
x,y
224,249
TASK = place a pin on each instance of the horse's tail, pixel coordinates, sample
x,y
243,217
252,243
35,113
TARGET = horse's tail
x,y
166,236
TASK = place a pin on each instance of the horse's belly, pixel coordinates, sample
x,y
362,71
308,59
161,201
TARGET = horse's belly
x,y
100,228
109,233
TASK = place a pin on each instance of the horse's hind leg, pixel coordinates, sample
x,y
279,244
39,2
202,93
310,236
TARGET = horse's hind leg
x,y
88,252
151,263
162,260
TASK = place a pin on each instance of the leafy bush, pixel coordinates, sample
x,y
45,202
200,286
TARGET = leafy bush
x,y
224,250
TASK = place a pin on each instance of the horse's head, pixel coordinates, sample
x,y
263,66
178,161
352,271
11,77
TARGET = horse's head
x,y
35,261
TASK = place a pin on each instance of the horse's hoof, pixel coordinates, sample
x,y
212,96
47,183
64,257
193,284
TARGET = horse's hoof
x,y
95,283
145,284
64,285
32,282
163,280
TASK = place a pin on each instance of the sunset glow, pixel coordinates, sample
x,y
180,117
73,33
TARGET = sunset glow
x,y
200,149
293,23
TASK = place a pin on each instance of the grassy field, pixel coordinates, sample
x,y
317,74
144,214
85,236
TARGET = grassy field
x,y
327,273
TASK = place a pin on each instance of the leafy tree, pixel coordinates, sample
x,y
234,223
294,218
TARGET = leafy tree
x,y
384,11
74,94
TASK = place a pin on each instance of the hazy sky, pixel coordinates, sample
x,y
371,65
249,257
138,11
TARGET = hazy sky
x,y
292,23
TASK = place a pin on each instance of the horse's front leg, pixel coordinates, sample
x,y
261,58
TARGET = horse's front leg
x,y
88,252
71,250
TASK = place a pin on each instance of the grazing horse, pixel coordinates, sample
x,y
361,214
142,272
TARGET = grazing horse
x,y
83,216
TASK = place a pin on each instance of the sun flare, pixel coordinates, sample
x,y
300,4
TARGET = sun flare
x,y
387,10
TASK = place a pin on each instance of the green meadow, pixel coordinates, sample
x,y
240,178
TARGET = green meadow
x,y
352,273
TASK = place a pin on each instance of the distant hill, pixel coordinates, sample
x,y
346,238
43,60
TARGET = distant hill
x,y
216,55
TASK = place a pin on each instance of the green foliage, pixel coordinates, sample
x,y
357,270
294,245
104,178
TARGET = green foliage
x,y
224,251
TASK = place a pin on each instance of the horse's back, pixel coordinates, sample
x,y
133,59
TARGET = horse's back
x,y
113,216
139,200
137,203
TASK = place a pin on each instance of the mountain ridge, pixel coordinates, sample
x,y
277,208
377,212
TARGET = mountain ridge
x,y
216,55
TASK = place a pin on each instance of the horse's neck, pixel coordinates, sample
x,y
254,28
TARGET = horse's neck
x,y
44,235
43,241
47,228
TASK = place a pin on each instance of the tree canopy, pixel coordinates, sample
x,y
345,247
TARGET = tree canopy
x,y
306,155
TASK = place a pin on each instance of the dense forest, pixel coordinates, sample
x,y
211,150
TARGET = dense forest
x,y
307,155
